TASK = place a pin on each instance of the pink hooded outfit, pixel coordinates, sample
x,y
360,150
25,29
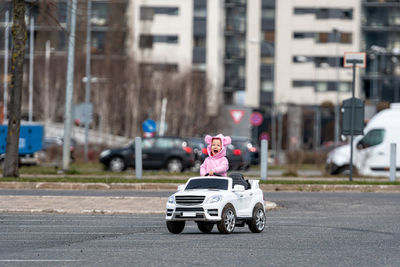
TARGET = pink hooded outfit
x,y
218,163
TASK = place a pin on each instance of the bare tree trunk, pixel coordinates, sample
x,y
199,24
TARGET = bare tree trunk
x,y
14,110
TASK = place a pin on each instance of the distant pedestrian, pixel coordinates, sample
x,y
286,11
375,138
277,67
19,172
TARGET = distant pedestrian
x,y
216,163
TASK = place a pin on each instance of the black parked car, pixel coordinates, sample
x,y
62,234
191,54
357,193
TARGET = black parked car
x,y
171,153
249,148
197,144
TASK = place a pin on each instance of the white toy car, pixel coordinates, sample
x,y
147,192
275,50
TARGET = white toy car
x,y
224,201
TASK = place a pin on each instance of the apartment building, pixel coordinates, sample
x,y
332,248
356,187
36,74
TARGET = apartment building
x,y
312,37
178,36
231,41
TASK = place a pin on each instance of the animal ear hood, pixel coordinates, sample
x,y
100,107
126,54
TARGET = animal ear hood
x,y
226,140
208,139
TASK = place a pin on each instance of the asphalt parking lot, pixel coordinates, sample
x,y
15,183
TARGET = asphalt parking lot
x,y
309,228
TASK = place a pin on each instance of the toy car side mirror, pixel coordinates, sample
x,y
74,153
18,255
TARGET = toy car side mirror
x,y
360,145
181,187
238,188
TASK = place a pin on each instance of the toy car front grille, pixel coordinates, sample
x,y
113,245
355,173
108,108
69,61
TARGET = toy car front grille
x,y
190,209
198,216
189,200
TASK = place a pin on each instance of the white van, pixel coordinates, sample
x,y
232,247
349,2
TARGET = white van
x,y
371,153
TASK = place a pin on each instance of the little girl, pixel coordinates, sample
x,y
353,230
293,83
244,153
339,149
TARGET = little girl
x,y
216,163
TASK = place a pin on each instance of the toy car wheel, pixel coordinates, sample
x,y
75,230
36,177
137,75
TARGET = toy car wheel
x,y
175,227
117,164
205,227
228,220
175,165
257,223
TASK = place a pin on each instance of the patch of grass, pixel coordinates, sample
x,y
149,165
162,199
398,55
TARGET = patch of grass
x,y
72,179
119,179
322,182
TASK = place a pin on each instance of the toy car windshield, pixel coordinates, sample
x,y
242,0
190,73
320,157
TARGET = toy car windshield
x,y
208,183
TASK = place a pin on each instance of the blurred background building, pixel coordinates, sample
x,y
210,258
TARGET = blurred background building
x,y
283,59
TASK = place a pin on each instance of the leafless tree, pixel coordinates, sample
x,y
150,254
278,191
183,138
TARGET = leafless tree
x,y
19,37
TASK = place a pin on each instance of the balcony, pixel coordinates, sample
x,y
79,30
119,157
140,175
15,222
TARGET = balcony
x,y
234,53
235,26
268,24
268,3
199,55
234,83
234,3
380,3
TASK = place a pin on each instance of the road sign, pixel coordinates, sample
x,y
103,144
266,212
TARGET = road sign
x,y
256,118
264,136
237,115
149,126
357,58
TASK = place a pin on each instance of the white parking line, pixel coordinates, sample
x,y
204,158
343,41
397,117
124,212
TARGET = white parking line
x,y
40,260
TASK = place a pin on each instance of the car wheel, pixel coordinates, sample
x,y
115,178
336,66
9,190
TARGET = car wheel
x,y
116,164
175,227
228,220
257,223
205,227
175,165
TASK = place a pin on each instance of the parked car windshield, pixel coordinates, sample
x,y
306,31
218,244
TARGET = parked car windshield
x,y
208,183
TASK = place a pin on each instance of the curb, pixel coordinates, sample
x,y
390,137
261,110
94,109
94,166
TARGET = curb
x,y
88,205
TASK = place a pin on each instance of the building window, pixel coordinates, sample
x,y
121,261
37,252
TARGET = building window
x,y
302,83
344,86
268,13
199,41
97,43
200,11
323,86
146,41
302,35
326,13
147,13
322,37
346,38
99,14
170,39
304,11
267,86
269,36
267,60
325,37
149,68
62,12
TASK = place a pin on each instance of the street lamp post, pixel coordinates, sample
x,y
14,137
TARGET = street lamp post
x,y
337,41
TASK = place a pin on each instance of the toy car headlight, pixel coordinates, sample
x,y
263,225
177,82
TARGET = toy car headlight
x,y
214,199
171,199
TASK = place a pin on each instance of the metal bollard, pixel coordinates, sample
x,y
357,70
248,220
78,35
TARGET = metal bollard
x,y
264,159
138,157
392,172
